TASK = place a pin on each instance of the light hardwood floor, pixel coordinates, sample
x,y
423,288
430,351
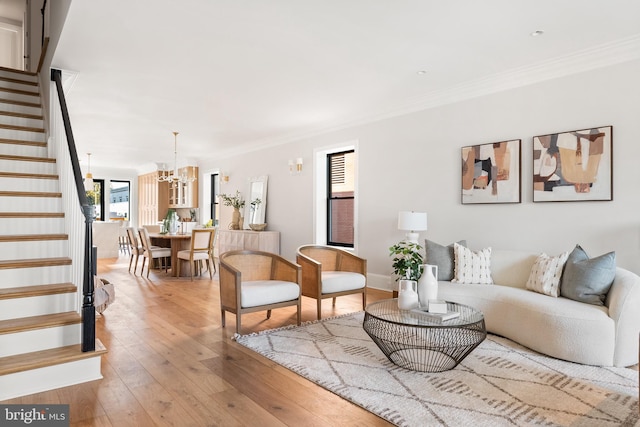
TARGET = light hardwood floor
x,y
170,363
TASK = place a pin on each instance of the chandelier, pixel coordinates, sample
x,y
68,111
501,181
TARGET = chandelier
x,y
175,176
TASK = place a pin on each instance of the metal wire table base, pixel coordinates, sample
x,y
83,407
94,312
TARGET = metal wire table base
x,y
413,341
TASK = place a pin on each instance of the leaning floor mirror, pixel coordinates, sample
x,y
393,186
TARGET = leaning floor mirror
x,y
256,205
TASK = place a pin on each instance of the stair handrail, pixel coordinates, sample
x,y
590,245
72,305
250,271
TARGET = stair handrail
x,y
88,309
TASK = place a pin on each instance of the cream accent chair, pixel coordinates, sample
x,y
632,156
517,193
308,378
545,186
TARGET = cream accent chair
x,y
329,272
201,250
253,281
152,252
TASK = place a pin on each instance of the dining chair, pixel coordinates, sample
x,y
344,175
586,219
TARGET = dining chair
x,y
151,252
201,250
135,248
253,281
329,272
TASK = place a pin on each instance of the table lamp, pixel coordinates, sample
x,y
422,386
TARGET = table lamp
x,y
412,222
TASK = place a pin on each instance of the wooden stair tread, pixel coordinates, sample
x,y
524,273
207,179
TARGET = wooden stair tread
x,y
37,290
27,175
32,237
21,115
19,81
21,103
22,142
27,158
21,128
19,91
11,326
29,194
35,262
14,70
44,358
31,214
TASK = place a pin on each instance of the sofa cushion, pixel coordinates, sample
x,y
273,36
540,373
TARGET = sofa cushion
x,y
588,279
472,267
546,273
338,281
254,293
442,256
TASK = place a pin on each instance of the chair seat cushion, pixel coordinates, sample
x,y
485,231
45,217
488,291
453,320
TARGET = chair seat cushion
x,y
198,255
261,292
340,281
160,252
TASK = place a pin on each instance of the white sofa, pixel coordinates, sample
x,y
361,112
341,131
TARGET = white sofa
x,y
559,327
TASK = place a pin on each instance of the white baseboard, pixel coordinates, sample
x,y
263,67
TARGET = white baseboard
x,y
379,281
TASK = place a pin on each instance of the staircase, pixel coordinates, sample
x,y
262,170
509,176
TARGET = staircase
x,y
40,322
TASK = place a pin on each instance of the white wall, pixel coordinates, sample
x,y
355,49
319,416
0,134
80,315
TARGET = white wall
x,y
412,162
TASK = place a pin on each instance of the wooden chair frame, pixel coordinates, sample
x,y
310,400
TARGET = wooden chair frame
x,y
251,264
211,265
314,258
135,249
149,251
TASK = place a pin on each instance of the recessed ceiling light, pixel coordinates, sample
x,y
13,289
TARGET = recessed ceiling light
x,y
537,33
421,72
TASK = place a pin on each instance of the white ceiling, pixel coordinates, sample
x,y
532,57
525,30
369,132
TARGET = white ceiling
x,y
234,75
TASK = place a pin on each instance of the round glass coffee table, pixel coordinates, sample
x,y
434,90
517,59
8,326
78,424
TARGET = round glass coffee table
x,y
413,340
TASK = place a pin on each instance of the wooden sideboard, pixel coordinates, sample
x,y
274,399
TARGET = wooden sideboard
x,y
234,240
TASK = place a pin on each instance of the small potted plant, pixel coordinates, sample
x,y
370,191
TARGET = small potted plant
x,y
407,260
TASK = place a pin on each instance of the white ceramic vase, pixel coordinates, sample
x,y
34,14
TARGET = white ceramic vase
x,y
428,285
407,294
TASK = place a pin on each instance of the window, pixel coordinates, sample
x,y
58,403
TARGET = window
x,y
119,207
340,198
96,198
215,192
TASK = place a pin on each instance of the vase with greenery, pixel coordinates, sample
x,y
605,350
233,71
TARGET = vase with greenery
x,y
237,203
407,260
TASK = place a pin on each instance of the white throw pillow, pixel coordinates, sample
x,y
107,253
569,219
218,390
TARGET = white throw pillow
x,y
472,267
546,273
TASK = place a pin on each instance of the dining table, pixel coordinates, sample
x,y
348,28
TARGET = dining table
x,y
177,242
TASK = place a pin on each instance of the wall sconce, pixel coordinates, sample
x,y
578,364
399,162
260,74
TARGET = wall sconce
x,y
223,178
295,167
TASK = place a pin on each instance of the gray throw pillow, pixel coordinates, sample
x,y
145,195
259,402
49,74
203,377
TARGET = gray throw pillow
x,y
443,257
588,279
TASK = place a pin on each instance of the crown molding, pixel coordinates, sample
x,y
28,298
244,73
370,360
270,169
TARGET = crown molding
x,y
600,56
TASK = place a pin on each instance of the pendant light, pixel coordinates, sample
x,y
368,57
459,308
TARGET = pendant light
x,y
88,180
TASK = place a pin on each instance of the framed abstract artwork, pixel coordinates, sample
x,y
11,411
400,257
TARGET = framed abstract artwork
x,y
573,166
491,173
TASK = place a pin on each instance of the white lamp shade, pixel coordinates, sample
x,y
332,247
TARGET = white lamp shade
x,y
412,221
88,183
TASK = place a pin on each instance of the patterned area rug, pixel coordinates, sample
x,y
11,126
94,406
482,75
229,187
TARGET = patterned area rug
x,y
499,384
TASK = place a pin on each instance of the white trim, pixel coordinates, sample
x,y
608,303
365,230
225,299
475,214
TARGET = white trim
x,y
320,190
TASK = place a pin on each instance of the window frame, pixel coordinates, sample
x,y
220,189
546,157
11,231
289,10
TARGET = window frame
x,y
330,200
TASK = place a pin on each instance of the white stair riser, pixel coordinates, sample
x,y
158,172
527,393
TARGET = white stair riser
x,y
23,150
21,121
24,166
14,108
29,184
31,225
19,97
18,76
50,377
18,85
33,249
14,277
31,204
22,135
40,339
37,306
